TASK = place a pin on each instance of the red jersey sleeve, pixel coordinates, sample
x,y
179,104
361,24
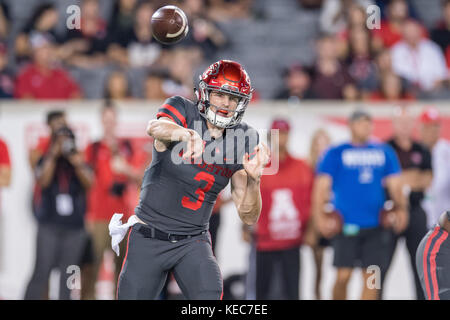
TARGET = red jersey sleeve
x,y
23,87
4,154
88,157
174,109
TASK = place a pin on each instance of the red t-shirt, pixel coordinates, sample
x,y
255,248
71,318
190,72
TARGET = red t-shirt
x,y
43,144
102,203
447,56
56,84
286,201
389,35
4,154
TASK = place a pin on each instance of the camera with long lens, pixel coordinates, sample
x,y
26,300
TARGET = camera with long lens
x,y
117,189
68,146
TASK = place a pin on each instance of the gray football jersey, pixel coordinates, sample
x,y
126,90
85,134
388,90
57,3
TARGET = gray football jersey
x,y
178,197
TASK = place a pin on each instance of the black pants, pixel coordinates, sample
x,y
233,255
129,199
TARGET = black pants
x,y
288,262
56,247
367,248
148,262
413,234
214,224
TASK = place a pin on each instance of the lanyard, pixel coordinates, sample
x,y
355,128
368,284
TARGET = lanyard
x,y
64,176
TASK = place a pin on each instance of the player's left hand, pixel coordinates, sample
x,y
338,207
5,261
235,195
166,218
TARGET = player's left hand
x,y
254,167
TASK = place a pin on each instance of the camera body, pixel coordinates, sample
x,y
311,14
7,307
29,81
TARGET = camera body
x,y
117,189
68,146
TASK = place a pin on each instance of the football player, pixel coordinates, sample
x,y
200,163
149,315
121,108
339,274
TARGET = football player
x,y
197,150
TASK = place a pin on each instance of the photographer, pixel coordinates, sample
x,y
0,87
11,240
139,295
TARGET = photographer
x,y
116,166
59,205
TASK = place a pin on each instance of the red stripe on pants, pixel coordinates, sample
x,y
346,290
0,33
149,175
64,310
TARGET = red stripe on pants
x,y
425,264
123,263
221,295
435,250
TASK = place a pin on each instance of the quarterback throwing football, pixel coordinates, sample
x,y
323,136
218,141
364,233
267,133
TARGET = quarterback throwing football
x,y
197,150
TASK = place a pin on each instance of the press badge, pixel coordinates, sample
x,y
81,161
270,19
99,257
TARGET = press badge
x,y
64,204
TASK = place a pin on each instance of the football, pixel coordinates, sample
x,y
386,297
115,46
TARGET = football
x,y
169,24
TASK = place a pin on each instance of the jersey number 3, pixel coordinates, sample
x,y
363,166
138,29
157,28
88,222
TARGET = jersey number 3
x,y
195,205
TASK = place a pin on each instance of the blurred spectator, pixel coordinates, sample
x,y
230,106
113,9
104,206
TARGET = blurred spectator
x,y
353,176
415,160
5,165
55,121
113,161
4,21
181,63
226,10
297,82
203,32
391,29
383,61
122,19
44,20
311,4
383,64
360,61
437,198
59,207
320,142
356,21
117,87
419,60
281,226
136,47
441,34
43,79
334,17
6,75
330,78
391,88
89,43
154,85
5,169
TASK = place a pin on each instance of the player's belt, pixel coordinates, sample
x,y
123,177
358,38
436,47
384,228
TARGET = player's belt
x,y
150,232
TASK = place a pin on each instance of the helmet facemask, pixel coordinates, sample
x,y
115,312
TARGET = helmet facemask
x,y
214,114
